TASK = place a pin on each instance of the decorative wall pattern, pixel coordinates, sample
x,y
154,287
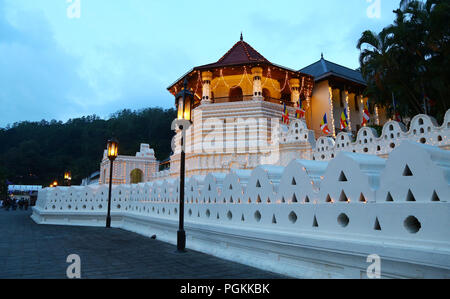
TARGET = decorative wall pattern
x,y
423,129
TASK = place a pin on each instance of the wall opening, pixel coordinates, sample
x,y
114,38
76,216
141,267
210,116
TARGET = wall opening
x,y
410,196
292,217
257,216
343,220
236,94
407,171
343,197
377,225
412,225
435,197
389,197
274,219
315,223
342,177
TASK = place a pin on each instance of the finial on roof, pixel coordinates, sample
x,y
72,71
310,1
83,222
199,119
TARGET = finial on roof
x,y
321,55
242,37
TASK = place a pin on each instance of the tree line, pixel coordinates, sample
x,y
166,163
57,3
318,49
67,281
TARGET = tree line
x,y
37,153
406,65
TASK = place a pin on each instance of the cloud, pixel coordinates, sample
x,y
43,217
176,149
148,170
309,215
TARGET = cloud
x,y
38,78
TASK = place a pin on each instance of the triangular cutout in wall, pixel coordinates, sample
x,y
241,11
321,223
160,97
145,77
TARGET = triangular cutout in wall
x,y
242,218
342,177
435,197
362,198
410,196
307,199
377,224
343,197
258,184
258,200
294,183
389,197
294,198
315,223
329,198
407,171
274,220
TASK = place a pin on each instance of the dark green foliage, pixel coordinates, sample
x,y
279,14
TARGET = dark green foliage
x,y
3,186
37,153
410,59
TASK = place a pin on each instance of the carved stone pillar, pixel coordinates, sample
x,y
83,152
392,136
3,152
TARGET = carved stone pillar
x,y
257,85
206,95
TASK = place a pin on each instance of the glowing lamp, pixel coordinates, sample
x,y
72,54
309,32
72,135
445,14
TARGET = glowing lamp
x,y
184,101
113,148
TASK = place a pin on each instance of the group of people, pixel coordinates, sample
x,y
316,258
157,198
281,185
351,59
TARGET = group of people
x,y
12,203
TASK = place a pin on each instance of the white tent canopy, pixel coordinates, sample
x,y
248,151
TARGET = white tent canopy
x,y
23,188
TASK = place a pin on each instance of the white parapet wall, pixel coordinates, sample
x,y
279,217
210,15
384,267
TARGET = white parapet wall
x,y
310,219
423,129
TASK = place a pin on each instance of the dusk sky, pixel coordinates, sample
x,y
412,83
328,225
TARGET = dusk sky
x,y
124,54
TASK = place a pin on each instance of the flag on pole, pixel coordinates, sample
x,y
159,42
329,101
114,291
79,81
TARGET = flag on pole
x,y
344,120
366,116
285,116
300,112
324,125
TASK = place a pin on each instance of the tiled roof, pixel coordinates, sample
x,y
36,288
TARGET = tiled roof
x,y
240,53
324,68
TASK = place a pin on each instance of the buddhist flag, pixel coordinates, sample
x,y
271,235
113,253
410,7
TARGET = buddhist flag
x,y
366,117
324,125
285,116
344,120
300,112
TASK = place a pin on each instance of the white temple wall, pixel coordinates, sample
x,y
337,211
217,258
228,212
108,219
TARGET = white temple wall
x,y
302,239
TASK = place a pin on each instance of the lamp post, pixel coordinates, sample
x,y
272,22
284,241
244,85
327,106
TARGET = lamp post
x,y
184,102
68,178
113,146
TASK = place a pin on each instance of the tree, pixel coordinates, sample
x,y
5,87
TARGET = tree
x,y
409,60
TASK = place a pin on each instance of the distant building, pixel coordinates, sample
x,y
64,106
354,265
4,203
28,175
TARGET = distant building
x,y
93,179
129,169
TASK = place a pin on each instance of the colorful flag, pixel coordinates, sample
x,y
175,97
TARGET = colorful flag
x,y
324,125
397,117
344,120
285,116
300,112
366,116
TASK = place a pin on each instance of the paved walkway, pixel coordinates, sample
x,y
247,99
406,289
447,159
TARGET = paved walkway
x,y
28,250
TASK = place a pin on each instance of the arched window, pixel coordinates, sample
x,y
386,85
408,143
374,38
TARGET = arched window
x,y
266,94
136,176
236,94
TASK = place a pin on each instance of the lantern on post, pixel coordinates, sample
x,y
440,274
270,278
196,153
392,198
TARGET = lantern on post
x,y
184,102
112,152
67,178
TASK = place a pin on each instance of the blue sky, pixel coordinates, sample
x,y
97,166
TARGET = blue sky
x,y
125,53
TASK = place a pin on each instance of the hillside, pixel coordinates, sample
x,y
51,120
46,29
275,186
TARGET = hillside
x,y
36,153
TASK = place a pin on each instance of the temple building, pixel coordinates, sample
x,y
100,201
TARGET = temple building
x,y
338,89
130,169
241,98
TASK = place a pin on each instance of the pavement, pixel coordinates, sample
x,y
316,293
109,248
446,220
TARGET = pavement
x,y
32,251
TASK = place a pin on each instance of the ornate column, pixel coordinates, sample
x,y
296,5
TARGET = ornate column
x,y
257,85
295,90
330,99
206,95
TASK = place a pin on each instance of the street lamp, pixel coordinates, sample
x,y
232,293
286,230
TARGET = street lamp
x,y
113,146
184,101
68,178
55,184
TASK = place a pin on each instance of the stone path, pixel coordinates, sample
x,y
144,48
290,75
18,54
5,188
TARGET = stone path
x,y
28,250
